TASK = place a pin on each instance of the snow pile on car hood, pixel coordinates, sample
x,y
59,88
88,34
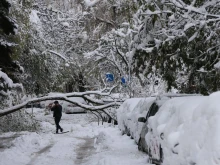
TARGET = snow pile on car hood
x,y
191,128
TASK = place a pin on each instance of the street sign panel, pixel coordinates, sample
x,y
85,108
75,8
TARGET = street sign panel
x,y
109,77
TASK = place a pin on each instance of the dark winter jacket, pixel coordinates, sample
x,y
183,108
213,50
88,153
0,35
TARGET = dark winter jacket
x,y
57,111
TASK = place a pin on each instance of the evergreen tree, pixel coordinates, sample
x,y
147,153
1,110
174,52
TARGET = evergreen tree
x,y
7,28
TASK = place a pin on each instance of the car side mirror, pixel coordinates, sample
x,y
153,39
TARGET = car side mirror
x,y
142,119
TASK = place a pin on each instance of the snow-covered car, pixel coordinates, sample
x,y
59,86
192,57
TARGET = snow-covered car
x,y
140,110
124,113
135,109
128,114
70,108
154,107
183,130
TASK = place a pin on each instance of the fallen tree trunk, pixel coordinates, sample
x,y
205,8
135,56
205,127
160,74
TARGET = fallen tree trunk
x,y
65,97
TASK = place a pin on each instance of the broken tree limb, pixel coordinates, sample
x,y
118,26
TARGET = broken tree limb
x,y
59,97
100,93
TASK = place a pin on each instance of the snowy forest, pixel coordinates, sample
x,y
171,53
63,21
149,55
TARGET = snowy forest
x,y
129,75
69,46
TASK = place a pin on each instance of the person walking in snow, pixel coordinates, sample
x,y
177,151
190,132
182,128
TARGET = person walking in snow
x,y
57,114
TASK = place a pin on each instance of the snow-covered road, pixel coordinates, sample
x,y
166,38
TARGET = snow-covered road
x,y
85,144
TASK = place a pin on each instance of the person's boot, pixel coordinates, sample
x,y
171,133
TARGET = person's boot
x,y
56,131
61,129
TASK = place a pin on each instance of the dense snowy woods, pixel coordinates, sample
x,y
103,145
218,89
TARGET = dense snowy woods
x,y
172,41
69,45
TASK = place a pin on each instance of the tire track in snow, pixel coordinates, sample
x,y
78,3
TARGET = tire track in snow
x,y
85,150
6,142
37,154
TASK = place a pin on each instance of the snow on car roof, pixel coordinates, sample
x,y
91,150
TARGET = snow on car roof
x,y
191,127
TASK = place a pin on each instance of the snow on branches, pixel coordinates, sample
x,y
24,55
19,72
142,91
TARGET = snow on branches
x,y
6,84
66,97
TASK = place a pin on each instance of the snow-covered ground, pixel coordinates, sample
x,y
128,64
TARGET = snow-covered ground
x,y
86,143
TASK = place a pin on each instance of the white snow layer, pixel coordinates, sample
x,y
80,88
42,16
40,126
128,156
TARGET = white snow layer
x,y
34,18
86,143
35,21
91,3
8,82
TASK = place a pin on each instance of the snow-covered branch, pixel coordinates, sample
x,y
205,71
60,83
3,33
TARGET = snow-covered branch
x,y
66,97
100,93
106,21
63,97
58,54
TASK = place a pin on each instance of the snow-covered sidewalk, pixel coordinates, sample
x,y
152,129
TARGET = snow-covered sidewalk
x,y
85,144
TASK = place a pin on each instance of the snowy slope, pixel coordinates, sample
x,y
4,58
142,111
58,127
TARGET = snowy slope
x,y
86,143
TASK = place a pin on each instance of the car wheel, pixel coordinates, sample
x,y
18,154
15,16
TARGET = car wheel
x,y
150,160
161,155
150,156
128,132
140,145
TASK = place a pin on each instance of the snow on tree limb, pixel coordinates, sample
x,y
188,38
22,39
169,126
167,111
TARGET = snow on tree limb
x,y
100,93
94,101
65,97
58,54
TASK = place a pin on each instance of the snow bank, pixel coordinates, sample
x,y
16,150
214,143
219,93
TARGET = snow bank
x,y
191,128
23,147
114,149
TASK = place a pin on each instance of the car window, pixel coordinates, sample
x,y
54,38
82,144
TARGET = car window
x,y
153,110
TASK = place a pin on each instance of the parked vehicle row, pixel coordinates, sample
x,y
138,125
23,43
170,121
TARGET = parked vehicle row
x,y
175,129
128,115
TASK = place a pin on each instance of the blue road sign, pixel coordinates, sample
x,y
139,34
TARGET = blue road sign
x,y
109,77
123,80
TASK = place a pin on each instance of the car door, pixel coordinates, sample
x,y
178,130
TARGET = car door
x,y
153,143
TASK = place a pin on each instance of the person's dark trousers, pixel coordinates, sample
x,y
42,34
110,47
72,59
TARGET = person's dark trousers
x,y
57,121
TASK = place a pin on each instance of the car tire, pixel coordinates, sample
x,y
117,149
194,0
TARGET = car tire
x,y
150,160
127,132
140,145
161,155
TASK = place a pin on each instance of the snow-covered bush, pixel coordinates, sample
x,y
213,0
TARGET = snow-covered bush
x,y
12,94
187,129
18,121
